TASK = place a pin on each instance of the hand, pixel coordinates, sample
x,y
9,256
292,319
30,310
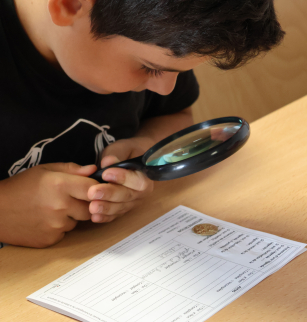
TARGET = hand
x,y
126,188
40,204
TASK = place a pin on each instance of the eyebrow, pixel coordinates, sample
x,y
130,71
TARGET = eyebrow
x,y
162,68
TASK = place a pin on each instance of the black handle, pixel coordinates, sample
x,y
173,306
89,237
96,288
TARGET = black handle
x,y
131,164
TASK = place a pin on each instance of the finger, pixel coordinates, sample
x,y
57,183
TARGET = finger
x,y
45,239
135,180
121,149
71,168
70,224
100,209
66,219
63,184
115,193
109,160
104,218
62,222
79,210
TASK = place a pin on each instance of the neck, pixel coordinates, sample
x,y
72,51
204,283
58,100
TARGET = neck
x,y
35,19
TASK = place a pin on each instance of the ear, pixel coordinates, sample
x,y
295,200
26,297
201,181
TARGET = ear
x,y
65,12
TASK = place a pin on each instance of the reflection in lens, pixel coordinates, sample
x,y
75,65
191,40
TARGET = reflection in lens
x,y
193,143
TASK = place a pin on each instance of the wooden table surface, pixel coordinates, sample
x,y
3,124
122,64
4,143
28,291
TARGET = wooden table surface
x,y
263,187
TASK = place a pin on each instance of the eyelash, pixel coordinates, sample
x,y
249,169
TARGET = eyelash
x,y
152,72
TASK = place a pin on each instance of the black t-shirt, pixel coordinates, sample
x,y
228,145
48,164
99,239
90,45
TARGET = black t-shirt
x,y
47,117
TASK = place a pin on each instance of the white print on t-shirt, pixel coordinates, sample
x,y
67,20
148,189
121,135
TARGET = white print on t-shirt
x,y
34,155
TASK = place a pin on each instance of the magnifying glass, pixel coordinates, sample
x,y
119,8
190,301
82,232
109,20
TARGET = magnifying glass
x,y
188,151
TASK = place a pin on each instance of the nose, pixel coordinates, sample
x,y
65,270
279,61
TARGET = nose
x,y
163,84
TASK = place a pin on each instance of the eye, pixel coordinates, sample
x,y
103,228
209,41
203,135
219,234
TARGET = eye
x,y
152,72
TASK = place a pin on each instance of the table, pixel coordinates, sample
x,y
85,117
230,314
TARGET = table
x,y
263,187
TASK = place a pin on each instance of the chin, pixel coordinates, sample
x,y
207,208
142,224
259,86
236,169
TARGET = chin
x,y
138,90
92,88
107,92
97,90
103,92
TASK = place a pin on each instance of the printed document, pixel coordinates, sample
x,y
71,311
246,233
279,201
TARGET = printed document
x,y
166,273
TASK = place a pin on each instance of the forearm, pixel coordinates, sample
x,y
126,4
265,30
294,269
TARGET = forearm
x,y
155,129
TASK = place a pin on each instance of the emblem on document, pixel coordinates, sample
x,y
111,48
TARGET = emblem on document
x,y
205,229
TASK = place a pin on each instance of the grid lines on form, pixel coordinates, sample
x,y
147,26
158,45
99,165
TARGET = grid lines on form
x,y
112,253
181,271
202,275
193,269
102,293
185,303
100,285
151,307
165,273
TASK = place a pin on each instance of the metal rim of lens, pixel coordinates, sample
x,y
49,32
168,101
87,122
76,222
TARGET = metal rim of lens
x,y
198,162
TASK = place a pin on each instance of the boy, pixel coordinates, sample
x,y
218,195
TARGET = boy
x,y
98,81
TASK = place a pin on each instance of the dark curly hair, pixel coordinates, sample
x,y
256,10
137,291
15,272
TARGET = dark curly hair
x,y
229,31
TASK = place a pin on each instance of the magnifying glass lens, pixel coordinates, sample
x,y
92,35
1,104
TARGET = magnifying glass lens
x,y
193,144
188,151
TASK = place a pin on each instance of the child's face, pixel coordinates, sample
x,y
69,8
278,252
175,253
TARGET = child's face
x,y
116,64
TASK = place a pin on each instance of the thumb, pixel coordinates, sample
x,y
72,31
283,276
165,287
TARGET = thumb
x,y
120,149
109,160
71,168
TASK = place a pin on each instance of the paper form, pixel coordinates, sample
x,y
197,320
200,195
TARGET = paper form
x,y
166,273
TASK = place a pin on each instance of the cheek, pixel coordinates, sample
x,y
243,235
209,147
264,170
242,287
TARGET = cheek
x,y
99,74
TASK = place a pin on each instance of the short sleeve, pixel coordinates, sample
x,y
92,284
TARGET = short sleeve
x,y
184,95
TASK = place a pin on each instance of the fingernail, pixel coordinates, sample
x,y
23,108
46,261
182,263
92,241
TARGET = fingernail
x,y
96,218
109,177
98,195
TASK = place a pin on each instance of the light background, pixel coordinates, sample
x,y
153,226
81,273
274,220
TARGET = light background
x,y
265,84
